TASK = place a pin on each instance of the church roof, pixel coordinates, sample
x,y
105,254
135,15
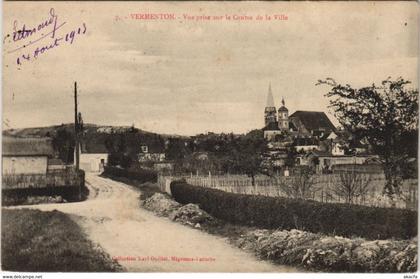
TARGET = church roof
x,y
270,99
314,120
283,108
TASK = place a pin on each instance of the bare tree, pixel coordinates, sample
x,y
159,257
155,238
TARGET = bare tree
x,y
301,185
352,185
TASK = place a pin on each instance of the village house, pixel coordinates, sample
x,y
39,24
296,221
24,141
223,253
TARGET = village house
x,y
325,162
305,144
153,152
93,156
26,155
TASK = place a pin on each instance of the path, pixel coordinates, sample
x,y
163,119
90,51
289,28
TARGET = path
x,y
112,217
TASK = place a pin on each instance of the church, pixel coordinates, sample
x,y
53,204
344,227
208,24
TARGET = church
x,y
300,124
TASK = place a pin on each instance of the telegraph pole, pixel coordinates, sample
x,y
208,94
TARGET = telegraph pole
x,y
76,128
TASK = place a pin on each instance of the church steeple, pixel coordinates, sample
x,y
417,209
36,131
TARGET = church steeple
x,y
270,109
270,99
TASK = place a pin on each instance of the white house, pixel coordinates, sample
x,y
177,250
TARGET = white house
x,y
26,155
93,157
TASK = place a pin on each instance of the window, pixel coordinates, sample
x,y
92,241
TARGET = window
x,y
144,149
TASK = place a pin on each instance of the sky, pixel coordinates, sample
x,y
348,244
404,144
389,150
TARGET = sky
x,y
187,76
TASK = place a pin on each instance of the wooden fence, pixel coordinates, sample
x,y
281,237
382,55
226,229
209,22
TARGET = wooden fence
x,y
57,178
323,188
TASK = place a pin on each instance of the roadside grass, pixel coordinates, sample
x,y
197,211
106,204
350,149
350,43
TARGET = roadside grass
x,y
33,240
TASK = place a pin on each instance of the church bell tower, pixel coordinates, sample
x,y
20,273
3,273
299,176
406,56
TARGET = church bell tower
x,y
283,117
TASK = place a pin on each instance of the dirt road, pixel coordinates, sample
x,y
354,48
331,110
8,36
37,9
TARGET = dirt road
x,y
144,242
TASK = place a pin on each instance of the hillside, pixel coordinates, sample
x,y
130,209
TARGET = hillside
x,y
89,129
96,139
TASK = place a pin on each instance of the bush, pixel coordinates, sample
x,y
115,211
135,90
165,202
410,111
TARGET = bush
x,y
333,254
142,175
283,213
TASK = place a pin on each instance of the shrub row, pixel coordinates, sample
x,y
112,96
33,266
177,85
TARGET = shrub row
x,y
283,213
141,175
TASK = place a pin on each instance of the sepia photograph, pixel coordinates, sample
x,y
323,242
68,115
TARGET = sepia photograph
x,y
228,137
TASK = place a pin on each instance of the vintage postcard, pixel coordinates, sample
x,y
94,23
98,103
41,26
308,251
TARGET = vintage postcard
x,y
248,136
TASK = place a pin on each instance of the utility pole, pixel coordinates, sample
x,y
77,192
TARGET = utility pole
x,y
76,128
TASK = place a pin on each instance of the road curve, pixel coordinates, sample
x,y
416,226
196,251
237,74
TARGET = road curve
x,y
143,242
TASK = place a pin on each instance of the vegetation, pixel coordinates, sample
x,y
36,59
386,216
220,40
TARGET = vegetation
x,y
63,142
219,154
352,185
385,116
141,175
298,248
33,240
301,185
283,213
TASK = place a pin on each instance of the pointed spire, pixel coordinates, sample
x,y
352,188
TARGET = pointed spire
x,y
282,101
270,99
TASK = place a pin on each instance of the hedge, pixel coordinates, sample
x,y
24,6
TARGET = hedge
x,y
283,213
142,175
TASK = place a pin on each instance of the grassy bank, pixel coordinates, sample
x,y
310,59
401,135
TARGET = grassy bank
x,y
34,240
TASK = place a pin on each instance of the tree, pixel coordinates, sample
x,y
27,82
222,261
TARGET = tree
x,y
352,185
386,116
301,185
117,146
63,142
248,154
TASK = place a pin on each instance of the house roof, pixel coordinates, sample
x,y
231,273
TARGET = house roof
x,y
305,142
319,153
55,161
314,120
14,146
272,126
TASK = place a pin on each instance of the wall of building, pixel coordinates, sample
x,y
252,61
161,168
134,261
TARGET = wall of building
x,y
92,162
154,157
306,147
25,164
270,135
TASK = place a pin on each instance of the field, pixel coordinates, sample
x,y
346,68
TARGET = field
x,y
34,240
